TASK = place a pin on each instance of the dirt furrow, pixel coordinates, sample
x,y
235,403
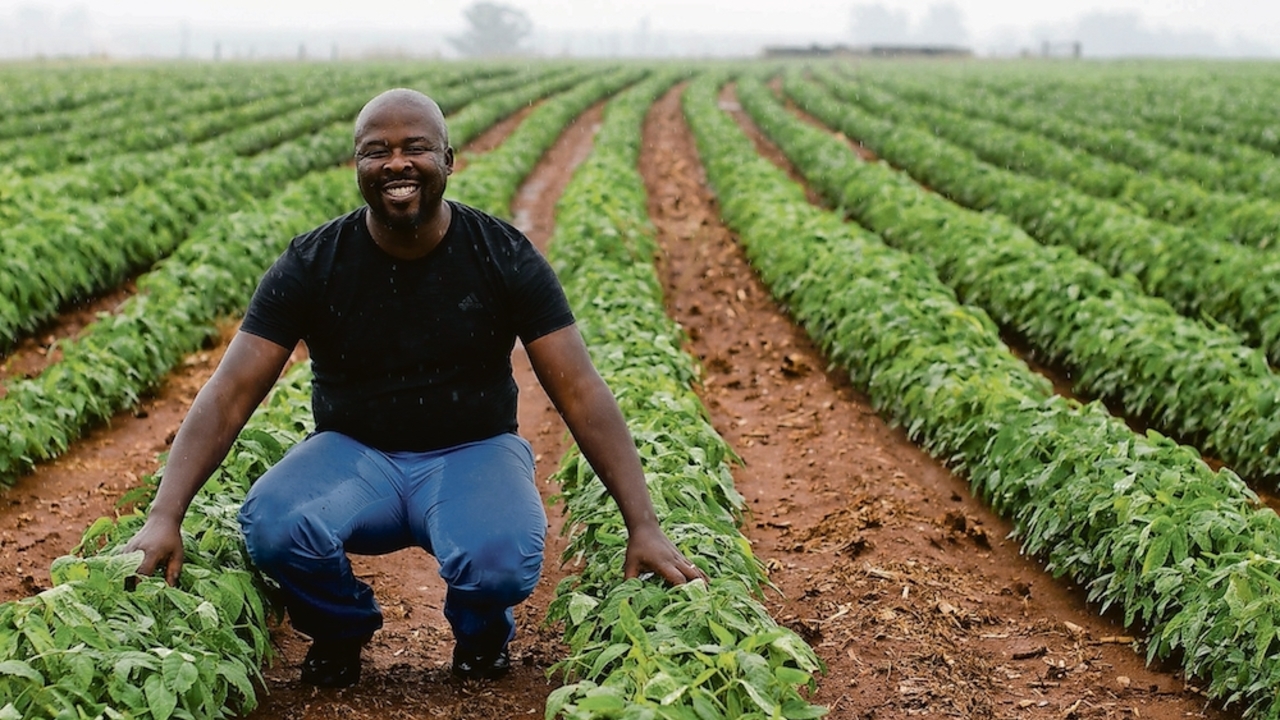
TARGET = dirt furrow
x,y
36,350
904,583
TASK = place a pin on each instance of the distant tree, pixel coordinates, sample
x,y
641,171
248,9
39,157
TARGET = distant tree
x,y
494,30
878,25
942,25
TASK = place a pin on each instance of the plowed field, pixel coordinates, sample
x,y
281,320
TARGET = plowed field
x,y
906,586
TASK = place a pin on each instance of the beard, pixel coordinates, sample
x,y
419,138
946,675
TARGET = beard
x,y
404,221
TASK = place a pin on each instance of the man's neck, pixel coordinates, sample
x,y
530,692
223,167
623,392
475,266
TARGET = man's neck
x,y
415,243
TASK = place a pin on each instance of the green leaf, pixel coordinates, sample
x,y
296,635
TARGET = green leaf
x,y
129,659
179,672
580,606
722,635
68,568
602,700
161,701
19,668
236,675
790,676
606,656
796,709
760,697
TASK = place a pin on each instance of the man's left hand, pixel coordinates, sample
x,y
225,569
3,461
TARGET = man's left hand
x,y
650,550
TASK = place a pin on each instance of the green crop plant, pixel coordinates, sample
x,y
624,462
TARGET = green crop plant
x,y
103,643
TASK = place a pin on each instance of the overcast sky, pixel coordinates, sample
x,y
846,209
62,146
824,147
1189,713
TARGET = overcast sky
x,y
987,22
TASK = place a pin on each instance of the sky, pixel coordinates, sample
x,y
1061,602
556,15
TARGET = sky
x,y
987,23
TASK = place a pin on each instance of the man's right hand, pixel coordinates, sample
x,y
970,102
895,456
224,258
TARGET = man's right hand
x,y
245,374
161,542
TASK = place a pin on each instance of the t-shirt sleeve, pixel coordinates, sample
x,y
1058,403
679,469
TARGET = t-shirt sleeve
x,y
277,310
539,303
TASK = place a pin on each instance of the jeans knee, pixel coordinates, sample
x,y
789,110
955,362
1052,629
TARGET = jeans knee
x,y
282,542
501,576
508,586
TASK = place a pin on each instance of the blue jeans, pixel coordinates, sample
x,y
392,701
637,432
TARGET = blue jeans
x,y
475,507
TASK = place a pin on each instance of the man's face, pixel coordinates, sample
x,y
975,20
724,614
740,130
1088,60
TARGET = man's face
x,y
403,162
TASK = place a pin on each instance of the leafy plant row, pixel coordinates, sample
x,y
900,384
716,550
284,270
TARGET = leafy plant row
x,y
118,174
123,354
182,118
156,94
1250,177
99,244
336,108
507,96
1218,216
1238,286
24,196
1180,109
68,87
59,188
72,251
641,649
495,176
212,274
1190,379
503,93
176,114
1235,107
1138,520
90,648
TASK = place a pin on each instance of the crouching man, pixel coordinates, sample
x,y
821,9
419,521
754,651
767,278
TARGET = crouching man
x,y
410,307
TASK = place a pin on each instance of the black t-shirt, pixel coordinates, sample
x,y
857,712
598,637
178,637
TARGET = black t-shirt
x,y
411,354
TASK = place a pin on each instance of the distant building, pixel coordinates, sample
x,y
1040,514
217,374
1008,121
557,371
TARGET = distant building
x,y
884,51
1072,48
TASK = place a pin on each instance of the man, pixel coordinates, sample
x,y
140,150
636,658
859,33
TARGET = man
x,y
410,307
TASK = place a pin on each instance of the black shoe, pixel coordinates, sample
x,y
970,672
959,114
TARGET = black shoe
x,y
480,667
333,664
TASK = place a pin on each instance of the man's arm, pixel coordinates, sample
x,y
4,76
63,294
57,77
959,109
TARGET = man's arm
x,y
221,408
564,368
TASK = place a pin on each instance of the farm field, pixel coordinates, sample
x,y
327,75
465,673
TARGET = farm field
x,y
955,378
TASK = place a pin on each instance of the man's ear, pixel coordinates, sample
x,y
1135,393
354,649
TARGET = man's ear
x,y
448,160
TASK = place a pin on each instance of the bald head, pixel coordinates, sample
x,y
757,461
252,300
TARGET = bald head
x,y
401,101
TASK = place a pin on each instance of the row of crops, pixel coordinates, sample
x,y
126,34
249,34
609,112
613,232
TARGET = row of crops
x,y
1130,249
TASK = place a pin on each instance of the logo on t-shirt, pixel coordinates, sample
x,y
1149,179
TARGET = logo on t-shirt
x,y
471,302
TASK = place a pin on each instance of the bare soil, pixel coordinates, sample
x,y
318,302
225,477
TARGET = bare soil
x,y
907,587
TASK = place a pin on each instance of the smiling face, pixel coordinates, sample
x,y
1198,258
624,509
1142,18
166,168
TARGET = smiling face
x,y
403,159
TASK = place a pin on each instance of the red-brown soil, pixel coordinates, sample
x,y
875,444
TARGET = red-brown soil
x,y
907,587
